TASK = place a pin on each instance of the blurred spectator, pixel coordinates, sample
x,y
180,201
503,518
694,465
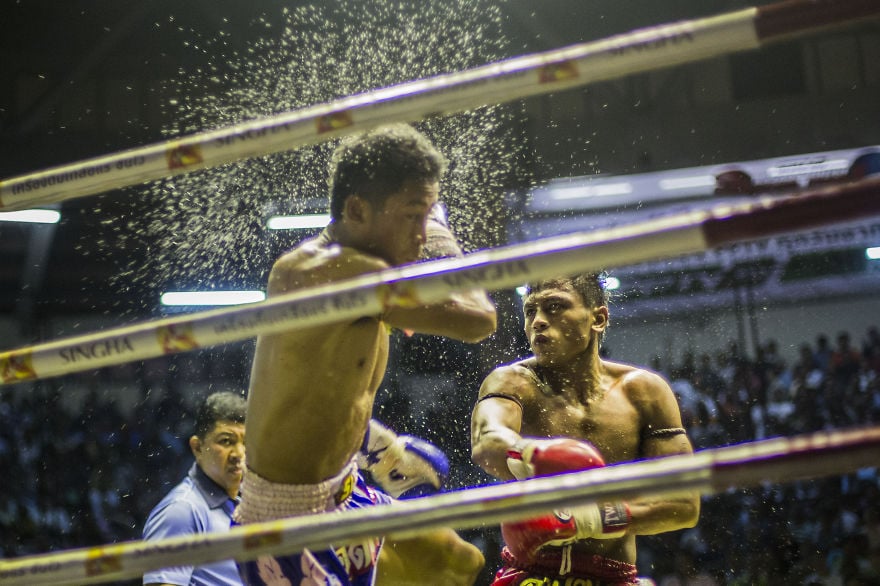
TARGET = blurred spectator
x,y
822,354
845,359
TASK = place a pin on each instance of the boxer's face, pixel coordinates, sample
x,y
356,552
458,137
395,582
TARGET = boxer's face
x,y
220,454
396,231
559,325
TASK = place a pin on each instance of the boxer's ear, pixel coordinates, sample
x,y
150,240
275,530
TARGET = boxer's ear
x,y
600,318
356,208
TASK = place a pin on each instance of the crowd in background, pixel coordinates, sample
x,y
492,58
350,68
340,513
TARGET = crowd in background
x,y
824,531
87,472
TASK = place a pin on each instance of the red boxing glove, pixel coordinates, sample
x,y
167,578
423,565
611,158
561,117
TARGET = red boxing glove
x,y
524,538
532,458
605,521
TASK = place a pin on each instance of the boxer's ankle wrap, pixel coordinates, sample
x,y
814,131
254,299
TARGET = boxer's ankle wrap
x,y
264,500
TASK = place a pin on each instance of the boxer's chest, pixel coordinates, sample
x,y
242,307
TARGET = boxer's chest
x,y
611,423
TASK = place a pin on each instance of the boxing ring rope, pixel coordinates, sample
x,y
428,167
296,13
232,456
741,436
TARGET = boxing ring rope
x,y
707,471
434,281
540,73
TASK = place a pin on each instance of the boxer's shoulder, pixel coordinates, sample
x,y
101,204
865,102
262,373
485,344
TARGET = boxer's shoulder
x,y
519,376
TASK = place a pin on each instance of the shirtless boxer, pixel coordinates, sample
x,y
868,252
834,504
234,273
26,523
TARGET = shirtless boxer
x,y
312,390
565,409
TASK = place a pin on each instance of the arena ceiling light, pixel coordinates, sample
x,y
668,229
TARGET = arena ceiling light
x,y
799,168
611,284
303,222
873,253
201,298
597,190
689,182
34,216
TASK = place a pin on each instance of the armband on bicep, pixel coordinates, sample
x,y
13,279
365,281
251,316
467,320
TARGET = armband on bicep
x,y
665,432
501,396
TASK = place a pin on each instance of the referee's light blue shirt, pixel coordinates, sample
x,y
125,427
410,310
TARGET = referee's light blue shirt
x,y
196,505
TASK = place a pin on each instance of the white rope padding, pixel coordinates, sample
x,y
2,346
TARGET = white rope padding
x,y
707,471
540,73
434,281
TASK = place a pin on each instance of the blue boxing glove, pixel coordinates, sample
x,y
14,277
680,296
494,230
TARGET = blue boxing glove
x,y
403,466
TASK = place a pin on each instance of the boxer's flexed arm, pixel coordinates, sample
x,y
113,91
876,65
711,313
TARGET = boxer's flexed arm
x,y
496,420
468,316
662,435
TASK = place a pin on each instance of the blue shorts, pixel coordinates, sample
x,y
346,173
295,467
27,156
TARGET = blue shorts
x,y
349,565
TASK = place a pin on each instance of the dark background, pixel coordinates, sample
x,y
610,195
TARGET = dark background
x,y
82,79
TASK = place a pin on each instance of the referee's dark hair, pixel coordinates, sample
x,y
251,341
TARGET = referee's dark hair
x,y
221,406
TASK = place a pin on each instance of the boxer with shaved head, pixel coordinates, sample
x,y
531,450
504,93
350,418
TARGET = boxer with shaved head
x,y
566,409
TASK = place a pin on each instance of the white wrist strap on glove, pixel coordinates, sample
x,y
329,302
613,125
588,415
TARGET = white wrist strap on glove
x,y
598,521
520,467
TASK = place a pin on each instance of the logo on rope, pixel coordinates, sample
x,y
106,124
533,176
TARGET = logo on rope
x,y
103,564
96,350
176,338
261,539
184,156
558,72
16,367
334,121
